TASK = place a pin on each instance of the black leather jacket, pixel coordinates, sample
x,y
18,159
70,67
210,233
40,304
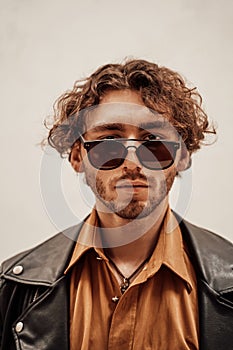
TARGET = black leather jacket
x,y
34,293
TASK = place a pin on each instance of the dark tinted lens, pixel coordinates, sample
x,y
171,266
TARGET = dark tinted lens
x,y
106,154
156,154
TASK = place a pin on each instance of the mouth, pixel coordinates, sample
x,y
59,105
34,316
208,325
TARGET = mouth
x,y
131,184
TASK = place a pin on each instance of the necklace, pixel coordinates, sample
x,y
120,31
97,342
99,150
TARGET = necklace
x,y
126,280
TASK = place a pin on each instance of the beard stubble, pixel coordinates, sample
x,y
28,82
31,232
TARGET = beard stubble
x,y
133,208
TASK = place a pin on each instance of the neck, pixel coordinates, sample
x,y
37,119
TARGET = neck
x,y
129,242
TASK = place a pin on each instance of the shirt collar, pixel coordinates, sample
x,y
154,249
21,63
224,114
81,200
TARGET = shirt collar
x,y
169,250
88,239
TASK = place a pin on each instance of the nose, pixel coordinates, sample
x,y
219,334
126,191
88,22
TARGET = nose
x,y
131,160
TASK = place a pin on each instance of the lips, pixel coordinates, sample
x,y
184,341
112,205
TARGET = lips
x,y
131,184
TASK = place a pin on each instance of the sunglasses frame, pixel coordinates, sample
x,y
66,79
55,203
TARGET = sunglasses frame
x,y
88,145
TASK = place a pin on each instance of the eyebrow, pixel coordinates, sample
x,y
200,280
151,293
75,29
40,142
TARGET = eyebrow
x,y
111,126
155,125
121,127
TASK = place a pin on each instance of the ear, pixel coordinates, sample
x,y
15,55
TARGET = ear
x,y
185,159
75,158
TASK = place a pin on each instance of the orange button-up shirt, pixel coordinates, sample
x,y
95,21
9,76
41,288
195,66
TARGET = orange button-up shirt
x,y
159,310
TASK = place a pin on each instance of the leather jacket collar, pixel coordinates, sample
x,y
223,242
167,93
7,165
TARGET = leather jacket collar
x,y
44,264
211,254
41,270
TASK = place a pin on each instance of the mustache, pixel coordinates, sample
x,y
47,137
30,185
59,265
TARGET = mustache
x,y
132,175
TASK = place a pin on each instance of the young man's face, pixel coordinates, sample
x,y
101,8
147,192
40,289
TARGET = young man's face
x,y
130,190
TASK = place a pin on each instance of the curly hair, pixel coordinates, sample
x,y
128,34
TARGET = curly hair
x,y
160,88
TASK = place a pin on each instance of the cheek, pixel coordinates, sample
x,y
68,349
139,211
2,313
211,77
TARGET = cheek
x,y
105,177
170,175
98,181
162,179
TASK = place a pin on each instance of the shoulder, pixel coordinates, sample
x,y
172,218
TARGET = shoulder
x,y
51,254
211,253
206,240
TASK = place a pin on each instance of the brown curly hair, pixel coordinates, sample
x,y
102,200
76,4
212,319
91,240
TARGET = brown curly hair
x,y
161,89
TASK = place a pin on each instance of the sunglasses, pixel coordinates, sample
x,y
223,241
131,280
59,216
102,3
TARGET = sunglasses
x,y
109,154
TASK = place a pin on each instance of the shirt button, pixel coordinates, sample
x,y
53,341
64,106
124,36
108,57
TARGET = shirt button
x,y
17,270
115,299
19,327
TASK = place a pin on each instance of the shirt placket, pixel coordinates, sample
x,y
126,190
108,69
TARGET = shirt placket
x,y
122,327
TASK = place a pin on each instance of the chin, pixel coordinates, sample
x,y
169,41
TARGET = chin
x,y
137,210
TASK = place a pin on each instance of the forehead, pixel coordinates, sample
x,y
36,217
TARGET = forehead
x,y
123,108
120,115
119,106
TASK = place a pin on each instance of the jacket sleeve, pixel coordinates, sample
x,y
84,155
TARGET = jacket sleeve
x,y
6,295
1,316
8,309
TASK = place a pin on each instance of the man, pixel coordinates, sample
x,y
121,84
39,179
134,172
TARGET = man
x,y
134,275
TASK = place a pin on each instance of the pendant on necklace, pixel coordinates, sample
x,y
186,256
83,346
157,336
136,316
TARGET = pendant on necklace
x,y
124,285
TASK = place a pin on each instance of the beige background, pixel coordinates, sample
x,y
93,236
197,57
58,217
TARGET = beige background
x,y
47,45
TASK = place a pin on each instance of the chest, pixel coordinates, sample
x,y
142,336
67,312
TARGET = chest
x,y
152,309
